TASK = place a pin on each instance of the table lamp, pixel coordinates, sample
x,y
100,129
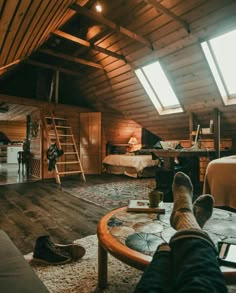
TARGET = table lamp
x,y
132,141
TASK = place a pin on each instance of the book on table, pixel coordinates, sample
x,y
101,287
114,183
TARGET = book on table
x,y
142,205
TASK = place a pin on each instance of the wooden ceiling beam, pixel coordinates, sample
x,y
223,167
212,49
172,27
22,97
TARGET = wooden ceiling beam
x,y
10,64
111,25
40,64
88,44
5,68
166,11
72,59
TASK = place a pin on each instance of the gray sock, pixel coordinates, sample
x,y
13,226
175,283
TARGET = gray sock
x,y
203,208
182,216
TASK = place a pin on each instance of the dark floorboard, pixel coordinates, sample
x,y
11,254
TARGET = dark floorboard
x,y
29,210
32,209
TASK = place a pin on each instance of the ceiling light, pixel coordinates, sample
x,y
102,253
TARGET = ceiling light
x,y
98,7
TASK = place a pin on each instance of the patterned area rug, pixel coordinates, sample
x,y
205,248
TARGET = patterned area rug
x,y
81,276
114,194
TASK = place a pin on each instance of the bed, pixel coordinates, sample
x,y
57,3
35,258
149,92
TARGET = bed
x,y
136,164
220,181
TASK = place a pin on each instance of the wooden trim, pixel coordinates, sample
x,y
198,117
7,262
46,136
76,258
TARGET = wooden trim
x,y
118,250
40,104
111,25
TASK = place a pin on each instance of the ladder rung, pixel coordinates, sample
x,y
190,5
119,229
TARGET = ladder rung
x,y
70,172
54,118
65,133
59,126
71,162
68,135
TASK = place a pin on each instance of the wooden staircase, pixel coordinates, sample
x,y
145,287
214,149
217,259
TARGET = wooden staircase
x,y
58,131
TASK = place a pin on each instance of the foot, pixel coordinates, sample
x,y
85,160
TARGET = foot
x,y
203,208
182,216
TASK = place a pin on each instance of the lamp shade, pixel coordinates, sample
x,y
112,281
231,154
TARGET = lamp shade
x,y
133,140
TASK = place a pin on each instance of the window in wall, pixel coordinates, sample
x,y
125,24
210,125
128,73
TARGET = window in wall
x,y
158,88
220,53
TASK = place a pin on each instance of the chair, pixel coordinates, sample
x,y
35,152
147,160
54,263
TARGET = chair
x,y
165,174
23,158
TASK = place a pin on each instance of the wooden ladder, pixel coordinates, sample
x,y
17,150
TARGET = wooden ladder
x,y
58,131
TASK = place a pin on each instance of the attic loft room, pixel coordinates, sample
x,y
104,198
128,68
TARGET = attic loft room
x,y
117,134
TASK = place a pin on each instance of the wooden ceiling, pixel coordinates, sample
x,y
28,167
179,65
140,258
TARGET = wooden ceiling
x,y
96,54
15,112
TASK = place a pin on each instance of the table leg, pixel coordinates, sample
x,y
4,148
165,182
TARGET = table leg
x,y
102,267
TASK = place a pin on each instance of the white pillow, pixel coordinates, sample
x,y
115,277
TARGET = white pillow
x,y
169,145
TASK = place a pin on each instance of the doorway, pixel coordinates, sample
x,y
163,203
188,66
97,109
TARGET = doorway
x,y
14,131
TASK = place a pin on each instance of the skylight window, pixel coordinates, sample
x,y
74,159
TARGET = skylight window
x,y
221,57
158,88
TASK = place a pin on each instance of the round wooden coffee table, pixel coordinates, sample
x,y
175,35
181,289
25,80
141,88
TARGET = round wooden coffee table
x,y
132,237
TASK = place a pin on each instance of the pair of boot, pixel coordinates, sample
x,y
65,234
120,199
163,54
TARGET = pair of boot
x,y
47,252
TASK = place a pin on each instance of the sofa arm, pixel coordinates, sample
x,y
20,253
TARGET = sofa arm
x,y
16,275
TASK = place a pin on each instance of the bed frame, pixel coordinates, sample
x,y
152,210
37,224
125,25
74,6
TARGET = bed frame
x,y
122,149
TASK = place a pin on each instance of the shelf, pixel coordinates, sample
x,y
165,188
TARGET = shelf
x,y
215,136
3,153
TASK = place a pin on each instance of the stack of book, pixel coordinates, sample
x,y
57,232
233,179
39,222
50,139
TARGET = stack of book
x,y
142,205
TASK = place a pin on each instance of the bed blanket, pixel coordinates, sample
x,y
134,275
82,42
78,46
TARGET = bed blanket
x,y
138,162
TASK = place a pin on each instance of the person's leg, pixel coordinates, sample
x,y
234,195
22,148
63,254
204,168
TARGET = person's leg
x,y
182,216
156,277
194,263
193,254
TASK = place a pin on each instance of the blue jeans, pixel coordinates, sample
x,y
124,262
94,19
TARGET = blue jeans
x,y
187,265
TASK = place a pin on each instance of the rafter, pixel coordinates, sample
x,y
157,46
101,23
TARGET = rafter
x,y
166,11
40,64
72,59
111,24
4,68
88,44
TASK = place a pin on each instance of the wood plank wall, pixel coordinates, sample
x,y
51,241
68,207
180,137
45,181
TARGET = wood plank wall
x,y
181,56
115,128
117,85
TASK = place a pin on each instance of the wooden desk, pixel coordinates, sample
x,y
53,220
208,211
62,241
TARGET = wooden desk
x,y
193,164
186,153
182,153
117,225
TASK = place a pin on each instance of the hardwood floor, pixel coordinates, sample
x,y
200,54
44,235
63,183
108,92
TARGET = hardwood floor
x,y
32,209
9,175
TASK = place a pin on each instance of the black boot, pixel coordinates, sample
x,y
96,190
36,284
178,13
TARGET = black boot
x,y
75,251
46,252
